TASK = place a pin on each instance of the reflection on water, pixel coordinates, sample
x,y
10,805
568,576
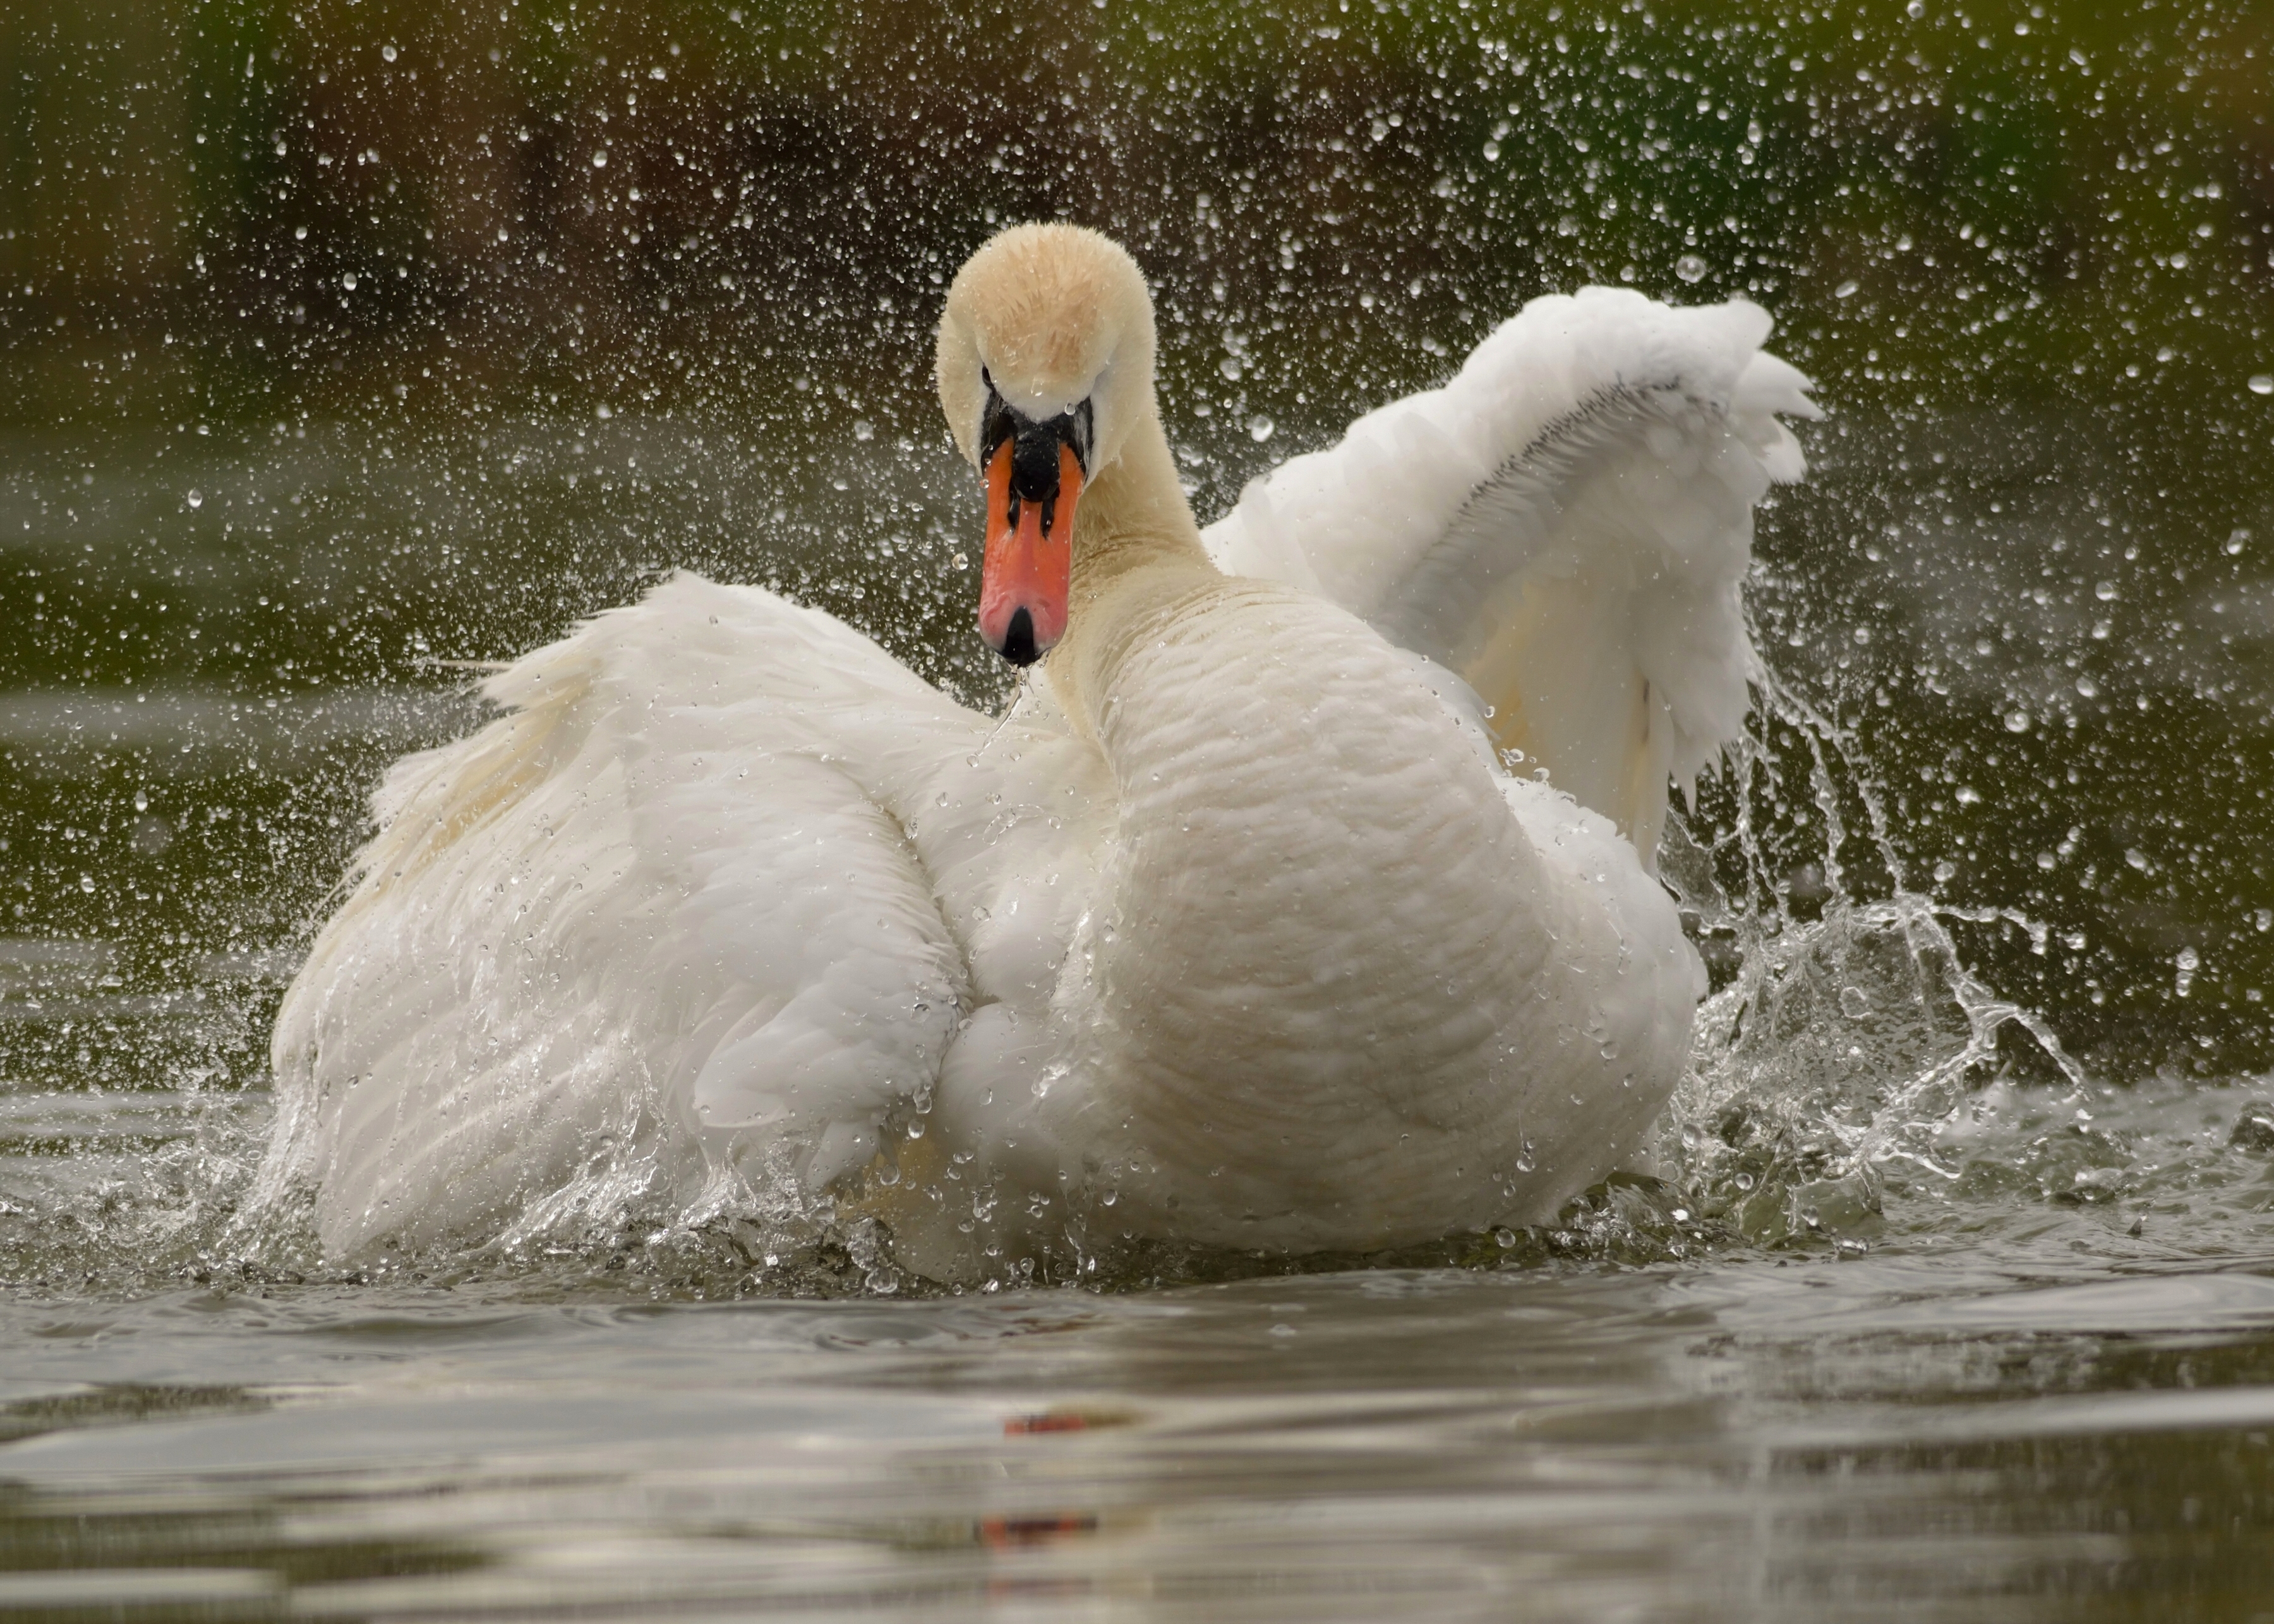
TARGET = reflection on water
x,y
1919,1319
1803,1440
1907,1328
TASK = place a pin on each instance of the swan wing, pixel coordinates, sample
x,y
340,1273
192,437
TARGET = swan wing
x,y
666,901
1566,525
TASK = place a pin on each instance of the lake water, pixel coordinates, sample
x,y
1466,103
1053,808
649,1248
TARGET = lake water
x,y
1921,1315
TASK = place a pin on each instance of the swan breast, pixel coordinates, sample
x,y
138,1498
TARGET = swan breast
x,y
1322,915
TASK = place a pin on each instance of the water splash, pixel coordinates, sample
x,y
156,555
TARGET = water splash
x,y
1848,1049
1838,1045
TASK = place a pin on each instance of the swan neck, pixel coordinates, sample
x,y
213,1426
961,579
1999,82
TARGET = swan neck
x,y
1133,514
1136,554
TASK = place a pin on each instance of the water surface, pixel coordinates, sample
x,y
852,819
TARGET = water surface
x,y
352,349
2065,1432
1908,1326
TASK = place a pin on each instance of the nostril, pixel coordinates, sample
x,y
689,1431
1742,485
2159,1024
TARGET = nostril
x,y
1018,639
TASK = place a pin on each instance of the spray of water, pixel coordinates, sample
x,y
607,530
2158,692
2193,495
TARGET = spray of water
x,y
1841,1044
1839,1051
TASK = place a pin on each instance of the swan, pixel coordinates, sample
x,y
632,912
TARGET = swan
x,y
1303,900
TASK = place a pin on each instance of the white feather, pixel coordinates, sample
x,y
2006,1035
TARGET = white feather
x,y
1267,950
1566,524
657,900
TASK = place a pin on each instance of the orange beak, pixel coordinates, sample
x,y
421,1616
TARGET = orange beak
x,y
1026,575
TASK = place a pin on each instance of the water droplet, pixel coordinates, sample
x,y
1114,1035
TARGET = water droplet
x,y
961,562
2088,688
87,882
1846,289
347,281
2262,383
388,52
1945,872
600,159
2017,721
141,801
2137,858
1260,428
2105,591
1690,267
197,498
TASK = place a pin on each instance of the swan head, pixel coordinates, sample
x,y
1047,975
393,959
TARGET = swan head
x,y
1045,368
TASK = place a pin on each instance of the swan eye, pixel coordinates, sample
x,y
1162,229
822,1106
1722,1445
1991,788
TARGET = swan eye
x,y
997,422
1083,437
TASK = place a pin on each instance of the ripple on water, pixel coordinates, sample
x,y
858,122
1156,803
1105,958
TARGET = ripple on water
x,y
1909,1316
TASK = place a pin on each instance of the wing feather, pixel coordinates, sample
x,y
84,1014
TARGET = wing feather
x,y
1566,524
661,911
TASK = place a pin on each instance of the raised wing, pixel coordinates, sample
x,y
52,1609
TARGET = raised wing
x,y
656,928
1566,524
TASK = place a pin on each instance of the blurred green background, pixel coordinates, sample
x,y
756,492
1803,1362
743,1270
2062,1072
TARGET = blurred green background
x,y
347,339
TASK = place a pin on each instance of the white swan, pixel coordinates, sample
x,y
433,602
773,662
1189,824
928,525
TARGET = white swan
x,y
1237,931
